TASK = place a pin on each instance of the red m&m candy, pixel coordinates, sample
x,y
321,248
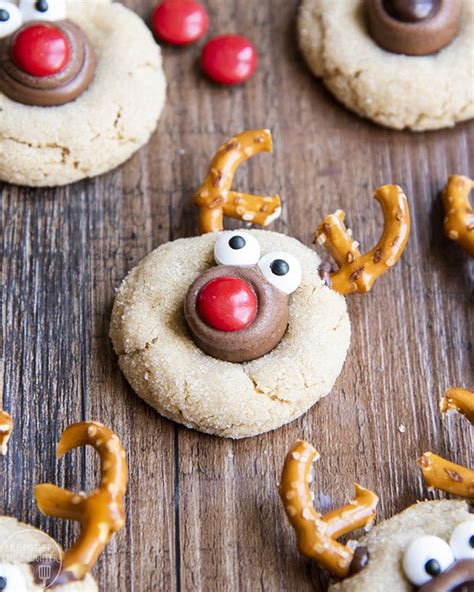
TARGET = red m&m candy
x,y
180,21
41,50
227,304
229,59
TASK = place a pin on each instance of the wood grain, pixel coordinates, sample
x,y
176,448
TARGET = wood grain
x,y
203,513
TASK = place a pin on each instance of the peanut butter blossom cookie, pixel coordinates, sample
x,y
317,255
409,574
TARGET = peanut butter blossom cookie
x,y
81,89
429,547
405,64
237,333
30,560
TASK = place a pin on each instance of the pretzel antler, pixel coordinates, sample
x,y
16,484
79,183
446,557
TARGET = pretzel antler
x,y
215,198
6,429
438,472
317,534
460,400
100,512
459,220
358,272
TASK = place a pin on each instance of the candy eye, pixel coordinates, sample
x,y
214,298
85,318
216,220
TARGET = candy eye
x,y
462,540
426,557
11,579
282,270
43,10
10,20
236,248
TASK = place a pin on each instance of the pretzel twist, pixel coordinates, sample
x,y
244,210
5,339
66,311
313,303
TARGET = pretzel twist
x,y
459,220
101,511
317,534
460,400
215,198
357,272
6,429
438,472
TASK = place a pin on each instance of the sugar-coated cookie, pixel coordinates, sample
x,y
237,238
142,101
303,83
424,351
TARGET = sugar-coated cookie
x,y
237,333
402,540
341,46
62,121
172,374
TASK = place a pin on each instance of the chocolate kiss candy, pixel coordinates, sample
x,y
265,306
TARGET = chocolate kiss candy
x,y
414,27
411,11
46,64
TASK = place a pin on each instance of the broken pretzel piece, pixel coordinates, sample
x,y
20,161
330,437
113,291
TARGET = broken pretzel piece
x,y
438,472
215,199
441,474
459,220
101,511
317,534
460,400
358,272
6,429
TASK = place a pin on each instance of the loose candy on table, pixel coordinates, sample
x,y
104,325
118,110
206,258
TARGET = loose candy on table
x,y
180,22
229,59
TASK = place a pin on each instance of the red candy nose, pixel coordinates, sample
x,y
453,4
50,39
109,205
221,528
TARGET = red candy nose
x,y
41,50
227,304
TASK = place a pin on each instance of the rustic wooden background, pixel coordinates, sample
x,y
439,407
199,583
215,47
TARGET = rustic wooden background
x,y
203,513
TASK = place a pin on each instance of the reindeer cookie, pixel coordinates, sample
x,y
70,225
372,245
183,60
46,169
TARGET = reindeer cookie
x,y
81,89
30,561
378,57
429,547
236,333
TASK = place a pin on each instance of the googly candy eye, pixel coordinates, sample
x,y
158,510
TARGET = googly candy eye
x,y
236,248
462,540
11,579
43,10
10,18
425,558
282,270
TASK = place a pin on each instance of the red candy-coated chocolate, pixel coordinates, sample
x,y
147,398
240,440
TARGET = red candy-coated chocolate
x,y
41,50
227,304
229,59
180,21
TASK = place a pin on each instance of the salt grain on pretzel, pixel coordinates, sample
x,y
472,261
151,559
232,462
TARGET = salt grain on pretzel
x,y
6,429
459,220
317,534
100,512
357,272
215,198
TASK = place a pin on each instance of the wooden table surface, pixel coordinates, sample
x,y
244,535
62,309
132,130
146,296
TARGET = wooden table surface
x,y
203,513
